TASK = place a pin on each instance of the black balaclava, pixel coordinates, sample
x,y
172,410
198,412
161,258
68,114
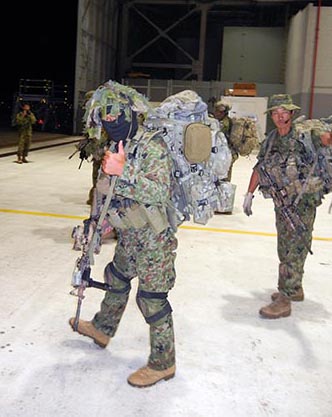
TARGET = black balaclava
x,y
121,129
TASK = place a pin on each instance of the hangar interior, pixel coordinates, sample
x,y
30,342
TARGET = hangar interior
x,y
230,362
161,46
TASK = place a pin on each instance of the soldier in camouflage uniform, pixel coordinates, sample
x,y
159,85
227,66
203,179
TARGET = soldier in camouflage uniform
x,y
24,121
221,110
288,158
146,243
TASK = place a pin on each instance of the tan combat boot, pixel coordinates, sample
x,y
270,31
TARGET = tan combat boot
x,y
298,296
280,307
146,376
86,328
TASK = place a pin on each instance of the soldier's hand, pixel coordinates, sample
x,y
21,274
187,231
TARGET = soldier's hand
x,y
113,163
326,138
248,203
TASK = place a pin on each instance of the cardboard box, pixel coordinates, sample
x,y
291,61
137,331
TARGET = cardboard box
x,y
243,92
244,86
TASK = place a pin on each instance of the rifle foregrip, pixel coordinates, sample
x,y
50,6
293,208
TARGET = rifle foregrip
x,y
97,284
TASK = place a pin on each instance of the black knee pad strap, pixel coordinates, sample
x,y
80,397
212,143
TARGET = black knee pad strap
x,y
167,309
117,273
111,270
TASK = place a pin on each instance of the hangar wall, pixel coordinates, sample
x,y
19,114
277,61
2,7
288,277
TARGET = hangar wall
x,y
96,49
98,58
307,79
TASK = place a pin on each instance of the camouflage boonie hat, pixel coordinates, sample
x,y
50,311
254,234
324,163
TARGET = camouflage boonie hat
x,y
281,100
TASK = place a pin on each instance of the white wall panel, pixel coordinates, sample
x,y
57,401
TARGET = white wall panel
x,y
253,54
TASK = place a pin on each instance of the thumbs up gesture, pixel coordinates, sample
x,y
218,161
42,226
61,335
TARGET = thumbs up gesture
x,y
113,163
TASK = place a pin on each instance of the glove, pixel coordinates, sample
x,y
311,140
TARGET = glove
x,y
248,203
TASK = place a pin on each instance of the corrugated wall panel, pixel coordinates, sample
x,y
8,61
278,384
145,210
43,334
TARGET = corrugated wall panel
x,y
96,47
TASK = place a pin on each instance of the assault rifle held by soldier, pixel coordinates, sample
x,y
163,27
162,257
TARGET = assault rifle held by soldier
x,y
288,211
92,232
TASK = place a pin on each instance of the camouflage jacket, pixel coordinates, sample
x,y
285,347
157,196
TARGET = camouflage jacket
x,y
146,178
24,123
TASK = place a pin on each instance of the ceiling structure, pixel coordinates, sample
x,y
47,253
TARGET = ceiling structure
x,y
171,38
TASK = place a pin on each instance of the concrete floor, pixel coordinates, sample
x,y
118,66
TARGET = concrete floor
x,y
230,362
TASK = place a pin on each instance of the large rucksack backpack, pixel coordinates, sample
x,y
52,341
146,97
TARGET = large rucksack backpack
x,y
200,155
244,137
308,128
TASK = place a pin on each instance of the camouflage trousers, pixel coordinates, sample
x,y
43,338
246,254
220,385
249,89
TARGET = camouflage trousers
x,y
95,172
235,157
150,257
293,250
24,143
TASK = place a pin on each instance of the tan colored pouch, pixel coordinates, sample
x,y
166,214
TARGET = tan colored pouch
x,y
197,142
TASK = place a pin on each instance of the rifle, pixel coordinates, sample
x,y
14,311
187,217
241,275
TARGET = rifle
x,y
81,277
289,212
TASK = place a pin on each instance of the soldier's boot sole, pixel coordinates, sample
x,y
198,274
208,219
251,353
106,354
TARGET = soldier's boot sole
x,y
146,376
298,296
86,328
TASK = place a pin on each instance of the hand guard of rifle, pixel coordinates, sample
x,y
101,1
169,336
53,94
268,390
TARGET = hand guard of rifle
x,y
288,212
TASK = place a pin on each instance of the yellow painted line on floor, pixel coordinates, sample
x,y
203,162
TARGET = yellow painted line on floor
x,y
243,232
186,227
38,213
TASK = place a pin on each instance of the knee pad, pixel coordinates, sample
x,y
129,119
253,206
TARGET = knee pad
x,y
153,305
119,283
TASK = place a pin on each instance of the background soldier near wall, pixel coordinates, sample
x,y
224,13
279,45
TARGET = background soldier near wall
x,y
221,111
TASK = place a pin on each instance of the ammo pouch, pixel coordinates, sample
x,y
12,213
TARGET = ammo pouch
x,y
197,142
137,216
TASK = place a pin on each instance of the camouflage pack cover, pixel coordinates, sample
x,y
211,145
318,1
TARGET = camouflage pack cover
x,y
244,136
312,128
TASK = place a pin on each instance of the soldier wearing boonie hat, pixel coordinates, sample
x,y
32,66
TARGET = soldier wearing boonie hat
x,y
284,101
285,171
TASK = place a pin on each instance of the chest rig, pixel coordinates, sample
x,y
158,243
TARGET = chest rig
x,y
290,161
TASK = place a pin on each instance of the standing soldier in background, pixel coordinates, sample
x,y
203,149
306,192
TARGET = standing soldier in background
x,y
221,110
24,121
286,172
